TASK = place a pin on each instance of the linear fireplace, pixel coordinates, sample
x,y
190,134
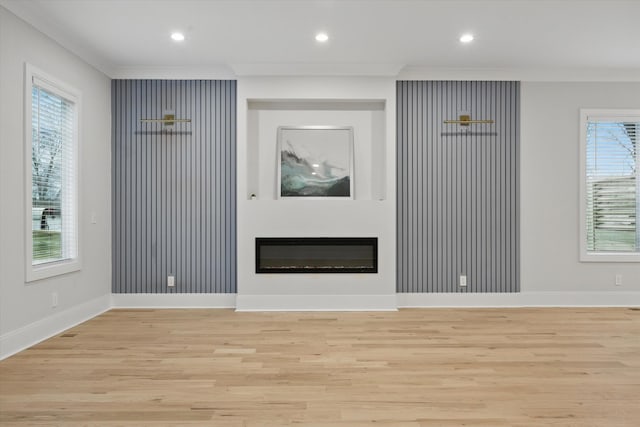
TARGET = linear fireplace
x,y
317,255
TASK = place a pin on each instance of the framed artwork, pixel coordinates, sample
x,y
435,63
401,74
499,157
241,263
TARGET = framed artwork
x,y
315,162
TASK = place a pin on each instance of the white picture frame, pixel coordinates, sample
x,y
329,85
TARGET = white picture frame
x,y
315,162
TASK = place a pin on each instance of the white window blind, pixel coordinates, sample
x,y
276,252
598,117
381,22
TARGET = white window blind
x,y
53,215
612,187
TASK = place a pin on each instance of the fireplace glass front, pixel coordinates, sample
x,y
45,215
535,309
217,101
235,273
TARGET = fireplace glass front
x,y
317,255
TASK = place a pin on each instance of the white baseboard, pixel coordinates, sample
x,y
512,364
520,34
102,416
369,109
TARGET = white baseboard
x,y
173,300
33,333
29,335
316,303
521,299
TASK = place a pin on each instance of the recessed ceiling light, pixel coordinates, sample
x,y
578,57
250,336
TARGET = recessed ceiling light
x,y
466,38
177,36
322,37
315,165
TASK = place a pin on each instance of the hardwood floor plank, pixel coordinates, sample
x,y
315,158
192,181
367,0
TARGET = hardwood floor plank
x,y
416,367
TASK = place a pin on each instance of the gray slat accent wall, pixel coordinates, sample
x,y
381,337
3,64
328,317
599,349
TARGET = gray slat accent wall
x,y
457,189
174,194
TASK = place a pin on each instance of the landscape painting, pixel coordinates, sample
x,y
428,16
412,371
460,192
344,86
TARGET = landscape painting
x,y
315,162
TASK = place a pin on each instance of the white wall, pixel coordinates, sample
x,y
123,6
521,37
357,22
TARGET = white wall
x,y
550,187
365,216
23,304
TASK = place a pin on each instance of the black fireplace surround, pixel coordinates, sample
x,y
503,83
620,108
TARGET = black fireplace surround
x,y
316,254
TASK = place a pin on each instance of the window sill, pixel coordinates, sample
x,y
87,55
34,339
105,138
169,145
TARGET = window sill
x,y
609,257
48,270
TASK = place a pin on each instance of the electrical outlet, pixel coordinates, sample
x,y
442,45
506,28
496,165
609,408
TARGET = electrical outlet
x,y
94,218
463,280
171,281
618,279
54,299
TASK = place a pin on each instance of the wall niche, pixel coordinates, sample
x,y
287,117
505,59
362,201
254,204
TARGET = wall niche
x,y
369,130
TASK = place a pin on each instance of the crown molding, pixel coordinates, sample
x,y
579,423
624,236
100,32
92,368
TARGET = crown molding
x,y
547,74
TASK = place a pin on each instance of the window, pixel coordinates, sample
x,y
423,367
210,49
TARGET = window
x,y
51,138
610,185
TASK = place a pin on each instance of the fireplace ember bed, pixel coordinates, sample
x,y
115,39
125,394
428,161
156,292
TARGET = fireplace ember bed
x,y
316,255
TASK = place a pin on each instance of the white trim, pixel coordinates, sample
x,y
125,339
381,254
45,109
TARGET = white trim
x,y
607,256
522,299
173,300
178,72
35,76
316,69
395,71
316,303
22,338
597,115
530,74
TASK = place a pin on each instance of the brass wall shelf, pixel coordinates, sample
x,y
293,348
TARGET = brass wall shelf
x,y
465,120
468,122
166,120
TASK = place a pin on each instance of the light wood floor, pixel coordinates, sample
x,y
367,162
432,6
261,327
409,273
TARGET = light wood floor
x,y
418,367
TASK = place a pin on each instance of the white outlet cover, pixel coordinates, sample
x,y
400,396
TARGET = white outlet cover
x,y
171,281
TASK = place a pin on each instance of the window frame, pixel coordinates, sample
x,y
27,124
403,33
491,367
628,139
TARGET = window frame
x,y
63,90
587,115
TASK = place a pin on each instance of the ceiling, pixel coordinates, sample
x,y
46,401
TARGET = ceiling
x,y
367,37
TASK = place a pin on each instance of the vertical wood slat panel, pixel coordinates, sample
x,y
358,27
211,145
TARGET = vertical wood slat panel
x,y
173,201
457,193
